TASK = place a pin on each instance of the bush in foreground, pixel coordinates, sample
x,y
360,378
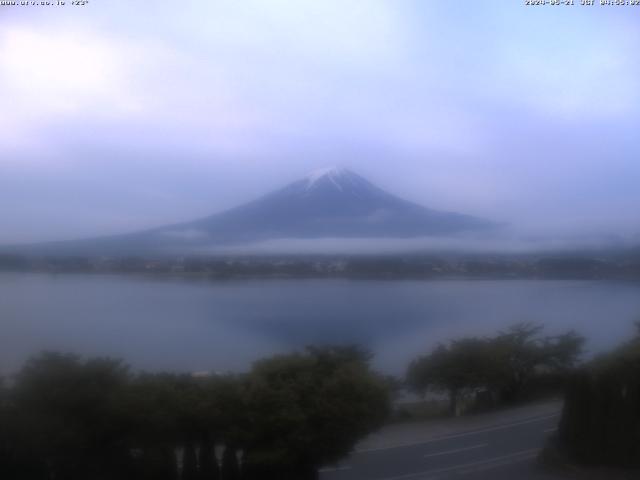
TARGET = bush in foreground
x,y
601,418
70,419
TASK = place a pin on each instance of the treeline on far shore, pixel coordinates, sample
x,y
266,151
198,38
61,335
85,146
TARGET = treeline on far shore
x,y
588,265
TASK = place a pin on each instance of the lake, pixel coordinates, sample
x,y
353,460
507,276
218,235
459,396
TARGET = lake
x,y
200,325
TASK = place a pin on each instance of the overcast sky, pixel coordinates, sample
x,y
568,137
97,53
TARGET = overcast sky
x,y
121,115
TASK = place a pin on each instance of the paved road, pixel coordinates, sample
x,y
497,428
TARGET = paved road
x,y
496,446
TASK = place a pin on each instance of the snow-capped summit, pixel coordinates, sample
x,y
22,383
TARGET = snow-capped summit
x,y
330,202
337,182
331,174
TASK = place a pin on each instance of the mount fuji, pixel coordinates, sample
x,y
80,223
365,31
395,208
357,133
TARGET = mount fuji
x,y
332,202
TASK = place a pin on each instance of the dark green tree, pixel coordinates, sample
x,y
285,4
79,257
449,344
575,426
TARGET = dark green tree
x,y
154,405
230,468
522,351
223,420
459,368
600,421
309,409
501,367
68,416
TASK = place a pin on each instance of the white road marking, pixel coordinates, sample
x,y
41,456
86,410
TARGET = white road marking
x,y
449,452
549,430
464,468
510,460
458,435
334,469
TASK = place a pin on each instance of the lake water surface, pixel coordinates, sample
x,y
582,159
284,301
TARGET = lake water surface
x,y
197,325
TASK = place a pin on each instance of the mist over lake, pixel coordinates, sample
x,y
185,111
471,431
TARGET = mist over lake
x,y
199,325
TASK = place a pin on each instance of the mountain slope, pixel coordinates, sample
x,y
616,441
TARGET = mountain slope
x,y
327,203
332,202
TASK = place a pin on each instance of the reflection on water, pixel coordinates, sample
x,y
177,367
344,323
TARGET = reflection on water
x,y
201,325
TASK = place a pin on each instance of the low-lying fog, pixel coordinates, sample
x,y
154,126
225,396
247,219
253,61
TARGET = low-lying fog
x,y
509,243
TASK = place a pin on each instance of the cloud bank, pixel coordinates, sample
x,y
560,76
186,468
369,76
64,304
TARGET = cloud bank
x,y
120,116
